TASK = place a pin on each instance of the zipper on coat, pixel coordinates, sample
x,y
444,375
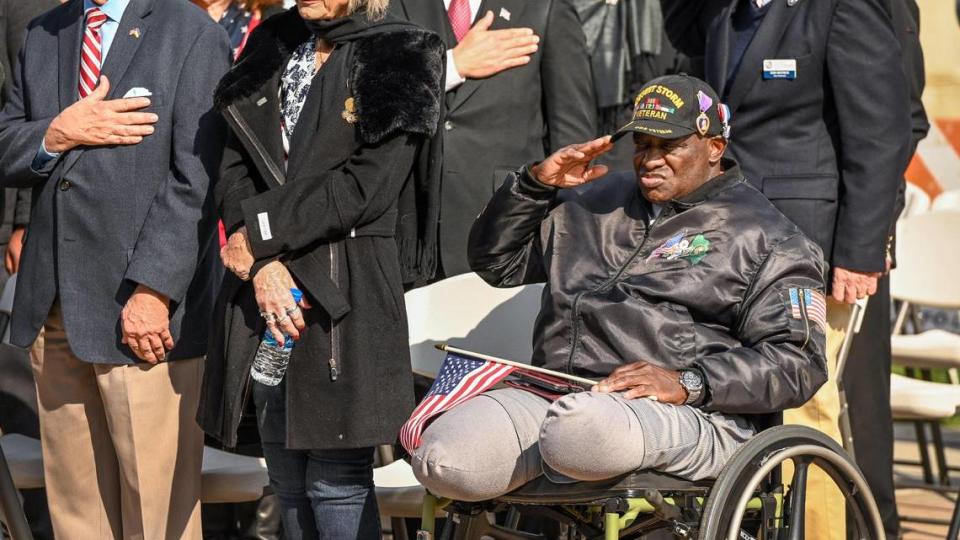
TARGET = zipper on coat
x,y
802,301
254,145
245,392
334,326
575,345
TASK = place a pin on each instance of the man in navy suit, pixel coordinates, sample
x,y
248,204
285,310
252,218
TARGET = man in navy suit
x,y
110,121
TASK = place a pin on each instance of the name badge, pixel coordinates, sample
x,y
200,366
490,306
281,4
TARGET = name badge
x,y
774,68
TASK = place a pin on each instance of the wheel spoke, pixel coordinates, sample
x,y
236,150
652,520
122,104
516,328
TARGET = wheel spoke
x,y
798,499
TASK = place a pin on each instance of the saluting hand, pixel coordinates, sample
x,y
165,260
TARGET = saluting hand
x,y
484,52
97,121
642,379
570,166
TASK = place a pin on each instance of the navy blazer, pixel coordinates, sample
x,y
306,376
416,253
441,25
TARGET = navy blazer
x,y
829,147
493,126
105,219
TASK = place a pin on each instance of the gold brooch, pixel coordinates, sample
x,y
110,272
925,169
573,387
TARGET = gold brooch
x,y
349,111
135,33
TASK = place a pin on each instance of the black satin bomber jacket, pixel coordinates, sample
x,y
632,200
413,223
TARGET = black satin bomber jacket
x,y
705,286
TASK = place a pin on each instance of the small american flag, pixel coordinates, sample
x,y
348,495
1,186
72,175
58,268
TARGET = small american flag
x,y
459,379
814,303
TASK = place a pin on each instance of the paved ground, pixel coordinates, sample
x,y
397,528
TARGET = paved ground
x,y
922,503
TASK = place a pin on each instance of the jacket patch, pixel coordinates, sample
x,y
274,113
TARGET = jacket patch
x,y
692,249
808,305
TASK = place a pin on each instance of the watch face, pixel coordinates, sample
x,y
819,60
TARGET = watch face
x,y
691,380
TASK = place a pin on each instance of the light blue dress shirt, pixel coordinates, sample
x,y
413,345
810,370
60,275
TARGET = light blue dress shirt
x,y
113,9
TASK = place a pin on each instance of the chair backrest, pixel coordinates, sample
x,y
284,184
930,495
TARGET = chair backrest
x,y
915,201
465,312
948,200
928,260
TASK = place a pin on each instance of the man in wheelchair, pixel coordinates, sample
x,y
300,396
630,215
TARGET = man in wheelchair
x,y
696,303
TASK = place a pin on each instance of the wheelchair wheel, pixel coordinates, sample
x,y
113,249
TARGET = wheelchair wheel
x,y
753,464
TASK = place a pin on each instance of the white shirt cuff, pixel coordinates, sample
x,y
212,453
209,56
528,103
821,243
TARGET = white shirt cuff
x,y
47,153
43,157
454,79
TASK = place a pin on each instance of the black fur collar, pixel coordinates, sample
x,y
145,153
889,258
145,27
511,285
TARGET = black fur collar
x,y
397,77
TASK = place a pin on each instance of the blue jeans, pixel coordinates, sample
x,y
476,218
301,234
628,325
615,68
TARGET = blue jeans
x,y
323,494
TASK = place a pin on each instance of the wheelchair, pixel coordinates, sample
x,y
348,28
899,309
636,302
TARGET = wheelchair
x,y
748,501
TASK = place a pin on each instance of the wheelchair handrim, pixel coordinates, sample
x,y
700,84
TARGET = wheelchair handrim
x,y
827,455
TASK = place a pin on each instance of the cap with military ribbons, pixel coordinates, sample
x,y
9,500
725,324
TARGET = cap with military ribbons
x,y
676,106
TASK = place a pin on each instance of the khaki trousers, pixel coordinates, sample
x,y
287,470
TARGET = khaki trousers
x,y
826,507
121,449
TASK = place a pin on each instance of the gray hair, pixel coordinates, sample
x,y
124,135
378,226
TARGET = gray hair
x,y
375,9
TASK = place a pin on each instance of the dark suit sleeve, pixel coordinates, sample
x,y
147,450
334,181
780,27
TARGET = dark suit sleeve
x,y
906,21
173,234
681,23
782,361
328,205
20,138
874,130
570,108
905,15
18,14
504,246
234,185
22,207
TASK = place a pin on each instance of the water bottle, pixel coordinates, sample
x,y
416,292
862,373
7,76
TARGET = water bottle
x,y
272,357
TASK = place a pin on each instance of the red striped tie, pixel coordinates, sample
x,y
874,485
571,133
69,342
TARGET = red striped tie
x,y
459,13
90,56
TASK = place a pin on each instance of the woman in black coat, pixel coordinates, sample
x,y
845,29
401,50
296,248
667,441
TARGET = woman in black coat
x,y
328,185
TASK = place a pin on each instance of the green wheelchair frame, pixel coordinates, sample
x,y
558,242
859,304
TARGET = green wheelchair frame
x,y
746,502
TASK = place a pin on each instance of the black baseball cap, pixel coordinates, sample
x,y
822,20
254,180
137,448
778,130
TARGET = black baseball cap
x,y
676,106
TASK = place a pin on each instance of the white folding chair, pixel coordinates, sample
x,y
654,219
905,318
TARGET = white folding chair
x,y
916,201
948,200
929,281
226,477
925,276
232,478
463,311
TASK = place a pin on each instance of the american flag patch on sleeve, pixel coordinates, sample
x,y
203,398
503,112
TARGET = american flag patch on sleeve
x,y
810,305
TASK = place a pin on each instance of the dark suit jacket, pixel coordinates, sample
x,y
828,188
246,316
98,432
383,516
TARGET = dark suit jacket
x,y
495,125
905,15
14,17
108,218
828,148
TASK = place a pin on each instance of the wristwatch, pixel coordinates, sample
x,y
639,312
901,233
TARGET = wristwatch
x,y
692,382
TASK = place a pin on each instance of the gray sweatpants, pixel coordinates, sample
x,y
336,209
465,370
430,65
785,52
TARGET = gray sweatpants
x,y
502,439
